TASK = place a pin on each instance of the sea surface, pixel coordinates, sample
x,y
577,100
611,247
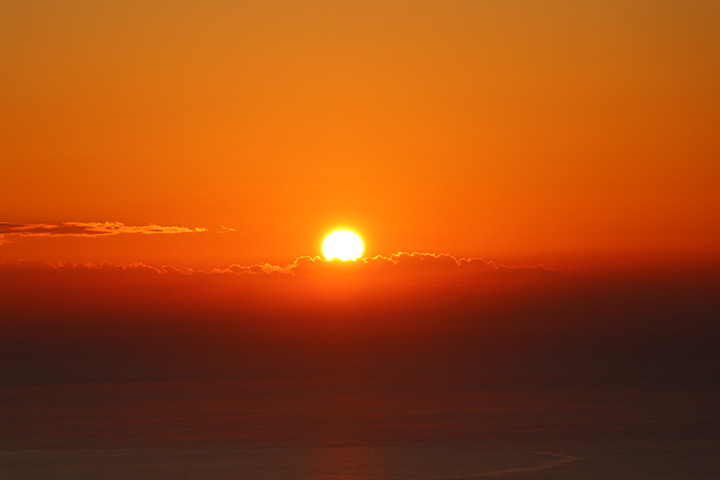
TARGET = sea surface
x,y
602,414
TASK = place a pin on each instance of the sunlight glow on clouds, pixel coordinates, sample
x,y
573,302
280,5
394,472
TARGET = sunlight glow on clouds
x,y
89,229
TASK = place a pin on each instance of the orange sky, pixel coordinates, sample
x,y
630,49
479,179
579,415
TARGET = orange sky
x,y
536,186
520,132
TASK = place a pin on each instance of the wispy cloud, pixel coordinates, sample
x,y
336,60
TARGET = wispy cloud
x,y
88,229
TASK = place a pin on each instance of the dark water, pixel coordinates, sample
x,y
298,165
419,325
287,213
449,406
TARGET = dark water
x,y
506,411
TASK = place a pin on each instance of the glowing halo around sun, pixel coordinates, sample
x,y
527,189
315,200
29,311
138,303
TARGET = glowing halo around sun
x,y
342,244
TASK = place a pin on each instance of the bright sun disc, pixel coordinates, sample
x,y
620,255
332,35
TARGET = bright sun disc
x,y
343,245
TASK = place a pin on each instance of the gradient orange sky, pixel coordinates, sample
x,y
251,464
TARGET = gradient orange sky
x,y
520,132
536,186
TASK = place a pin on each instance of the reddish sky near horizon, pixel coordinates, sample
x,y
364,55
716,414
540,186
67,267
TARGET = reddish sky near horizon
x,y
520,132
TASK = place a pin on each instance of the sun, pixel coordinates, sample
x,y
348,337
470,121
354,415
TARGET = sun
x,y
342,244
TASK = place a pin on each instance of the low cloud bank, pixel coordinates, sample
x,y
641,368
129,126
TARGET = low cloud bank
x,y
441,266
403,293
309,286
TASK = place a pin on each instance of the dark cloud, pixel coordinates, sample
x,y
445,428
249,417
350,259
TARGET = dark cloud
x,y
402,295
381,289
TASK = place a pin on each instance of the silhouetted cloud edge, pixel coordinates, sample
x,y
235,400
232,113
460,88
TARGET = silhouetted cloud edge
x,y
399,262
